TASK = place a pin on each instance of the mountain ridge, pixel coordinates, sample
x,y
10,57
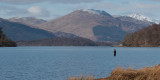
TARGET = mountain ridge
x,y
18,31
31,21
93,24
82,22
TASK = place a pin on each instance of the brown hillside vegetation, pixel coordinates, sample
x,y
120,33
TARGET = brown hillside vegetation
x,y
147,37
146,73
82,78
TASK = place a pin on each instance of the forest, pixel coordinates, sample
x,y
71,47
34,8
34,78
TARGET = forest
x,y
147,37
4,41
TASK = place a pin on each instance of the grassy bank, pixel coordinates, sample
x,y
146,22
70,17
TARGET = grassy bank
x,y
146,73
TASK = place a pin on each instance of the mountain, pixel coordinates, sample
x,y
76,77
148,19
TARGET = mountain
x,y
62,41
5,42
157,21
147,37
94,24
130,24
17,31
133,20
140,17
144,18
31,21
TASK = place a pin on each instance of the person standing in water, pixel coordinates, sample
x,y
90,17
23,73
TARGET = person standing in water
x,y
114,52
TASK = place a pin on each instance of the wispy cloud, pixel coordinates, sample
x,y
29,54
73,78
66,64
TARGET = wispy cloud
x,y
111,6
56,8
33,11
125,8
12,11
125,2
53,1
154,0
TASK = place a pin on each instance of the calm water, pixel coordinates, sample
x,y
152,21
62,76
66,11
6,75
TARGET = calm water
x,y
58,63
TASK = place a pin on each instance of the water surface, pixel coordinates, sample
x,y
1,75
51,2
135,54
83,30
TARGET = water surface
x,y
58,63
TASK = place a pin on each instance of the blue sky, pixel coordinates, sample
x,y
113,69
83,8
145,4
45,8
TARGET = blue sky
x,y
51,9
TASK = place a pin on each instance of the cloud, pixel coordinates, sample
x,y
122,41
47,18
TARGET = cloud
x,y
38,11
53,1
154,0
126,5
12,11
126,2
33,11
110,6
148,9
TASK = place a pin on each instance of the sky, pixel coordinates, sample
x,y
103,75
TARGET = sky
x,y
52,9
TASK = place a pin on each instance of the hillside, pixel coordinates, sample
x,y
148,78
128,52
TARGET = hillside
x,y
94,24
17,31
31,21
63,34
147,37
5,42
62,41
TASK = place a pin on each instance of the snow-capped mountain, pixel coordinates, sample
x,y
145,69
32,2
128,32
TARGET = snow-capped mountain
x,y
144,18
140,17
157,21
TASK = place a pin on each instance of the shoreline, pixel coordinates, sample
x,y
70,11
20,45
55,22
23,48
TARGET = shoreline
x,y
145,73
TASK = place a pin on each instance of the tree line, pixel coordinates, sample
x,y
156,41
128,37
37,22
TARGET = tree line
x,y
4,41
147,37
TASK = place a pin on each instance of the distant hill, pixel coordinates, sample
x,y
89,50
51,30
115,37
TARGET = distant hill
x,y
95,25
31,21
147,37
5,42
62,41
17,31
